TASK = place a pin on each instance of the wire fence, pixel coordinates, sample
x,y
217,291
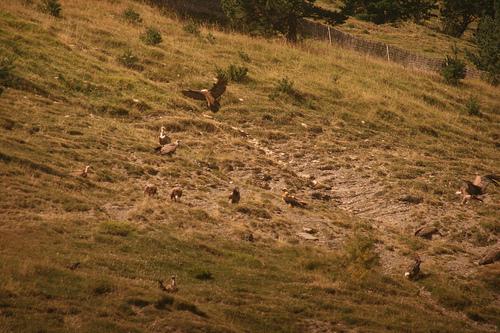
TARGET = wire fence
x,y
376,49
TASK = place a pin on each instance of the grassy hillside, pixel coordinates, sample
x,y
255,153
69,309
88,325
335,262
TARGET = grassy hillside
x,y
350,135
425,39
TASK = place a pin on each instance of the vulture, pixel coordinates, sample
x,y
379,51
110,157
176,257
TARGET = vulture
x,y
211,96
163,138
427,232
74,265
413,270
176,193
292,200
168,149
150,190
477,188
490,257
82,173
170,288
235,196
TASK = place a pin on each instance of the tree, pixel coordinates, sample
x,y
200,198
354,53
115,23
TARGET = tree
x,y
457,15
267,17
487,38
383,11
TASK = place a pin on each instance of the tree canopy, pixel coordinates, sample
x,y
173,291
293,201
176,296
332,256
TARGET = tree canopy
x,y
270,16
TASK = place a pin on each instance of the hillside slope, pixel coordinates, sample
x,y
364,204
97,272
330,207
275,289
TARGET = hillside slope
x,y
351,136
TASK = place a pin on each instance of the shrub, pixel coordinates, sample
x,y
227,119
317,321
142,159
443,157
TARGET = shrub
x,y
285,86
151,36
360,251
6,66
116,228
192,28
244,56
204,275
221,74
453,69
129,60
472,106
51,7
237,73
131,16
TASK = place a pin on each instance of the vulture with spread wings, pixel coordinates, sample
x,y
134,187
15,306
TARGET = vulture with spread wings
x,y
211,96
477,189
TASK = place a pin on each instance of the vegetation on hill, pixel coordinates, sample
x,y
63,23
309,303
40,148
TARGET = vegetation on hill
x,y
85,254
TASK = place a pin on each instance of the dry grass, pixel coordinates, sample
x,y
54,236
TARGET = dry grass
x,y
352,122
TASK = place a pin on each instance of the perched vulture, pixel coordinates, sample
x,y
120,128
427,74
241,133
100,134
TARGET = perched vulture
x,y
413,270
163,138
292,200
477,188
176,193
235,196
82,173
490,257
74,265
150,190
211,96
168,149
427,232
170,288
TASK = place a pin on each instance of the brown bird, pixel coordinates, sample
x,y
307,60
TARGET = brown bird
x,y
490,257
172,288
150,190
477,188
163,138
427,232
211,96
235,196
292,200
82,173
413,270
168,149
176,193
74,265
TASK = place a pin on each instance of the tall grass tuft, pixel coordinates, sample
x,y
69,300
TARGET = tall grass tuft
x,y
51,7
151,36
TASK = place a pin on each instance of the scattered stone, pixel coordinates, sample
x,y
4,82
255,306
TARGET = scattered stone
x,y
320,196
309,230
411,199
427,232
490,257
307,236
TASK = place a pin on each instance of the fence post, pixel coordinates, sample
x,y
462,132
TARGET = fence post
x,y
387,50
329,35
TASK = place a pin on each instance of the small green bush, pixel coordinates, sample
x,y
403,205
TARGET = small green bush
x,y
6,66
151,36
285,86
244,56
51,7
453,69
131,16
116,228
192,28
472,106
221,74
129,60
203,275
237,73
